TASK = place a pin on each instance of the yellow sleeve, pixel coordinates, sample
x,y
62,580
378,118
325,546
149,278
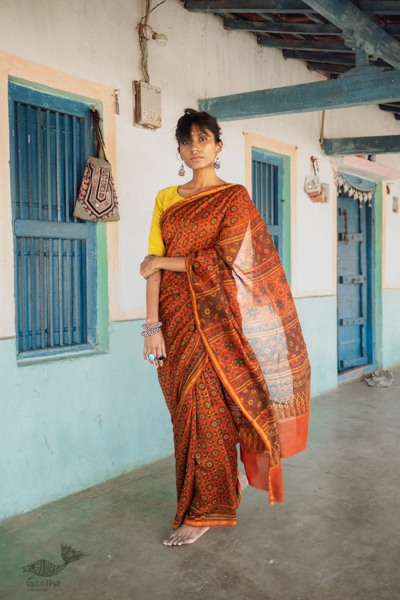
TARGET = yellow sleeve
x,y
164,199
156,244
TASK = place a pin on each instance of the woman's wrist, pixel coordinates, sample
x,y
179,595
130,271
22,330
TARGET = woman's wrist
x,y
150,329
157,262
152,319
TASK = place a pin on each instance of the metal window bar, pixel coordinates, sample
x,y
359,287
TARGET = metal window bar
x,y
67,160
266,196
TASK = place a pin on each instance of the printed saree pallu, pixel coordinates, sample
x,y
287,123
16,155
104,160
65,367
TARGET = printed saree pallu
x,y
237,369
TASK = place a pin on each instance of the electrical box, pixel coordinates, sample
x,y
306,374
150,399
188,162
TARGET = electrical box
x,y
147,105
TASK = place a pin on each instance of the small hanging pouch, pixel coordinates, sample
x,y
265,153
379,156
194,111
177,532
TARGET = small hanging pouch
x,y
313,185
97,198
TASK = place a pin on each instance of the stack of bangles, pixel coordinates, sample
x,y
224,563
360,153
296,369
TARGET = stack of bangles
x,y
151,328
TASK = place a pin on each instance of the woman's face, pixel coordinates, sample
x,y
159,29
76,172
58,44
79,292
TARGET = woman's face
x,y
200,151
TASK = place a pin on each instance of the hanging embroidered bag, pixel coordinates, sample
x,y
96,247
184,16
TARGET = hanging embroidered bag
x,y
97,198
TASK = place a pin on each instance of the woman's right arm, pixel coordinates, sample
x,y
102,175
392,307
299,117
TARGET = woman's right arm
x,y
153,344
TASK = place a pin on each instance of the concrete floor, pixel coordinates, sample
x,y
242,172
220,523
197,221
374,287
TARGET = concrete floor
x,y
336,537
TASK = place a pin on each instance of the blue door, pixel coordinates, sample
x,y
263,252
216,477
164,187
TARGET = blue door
x,y
354,284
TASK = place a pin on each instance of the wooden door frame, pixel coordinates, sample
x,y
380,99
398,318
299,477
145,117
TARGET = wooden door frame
x,y
371,305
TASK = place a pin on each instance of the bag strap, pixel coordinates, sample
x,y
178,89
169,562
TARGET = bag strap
x,y
99,136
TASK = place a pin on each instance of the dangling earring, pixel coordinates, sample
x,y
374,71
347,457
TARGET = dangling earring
x,y
181,171
217,164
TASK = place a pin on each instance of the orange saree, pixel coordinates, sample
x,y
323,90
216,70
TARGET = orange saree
x,y
237,369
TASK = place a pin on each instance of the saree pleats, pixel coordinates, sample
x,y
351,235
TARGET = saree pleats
x,y
237,368
205,434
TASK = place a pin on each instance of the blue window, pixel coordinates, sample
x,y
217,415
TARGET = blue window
x,y
54,253
267,192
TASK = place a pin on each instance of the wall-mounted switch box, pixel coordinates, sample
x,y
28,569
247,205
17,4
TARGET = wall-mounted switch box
x,y
147,105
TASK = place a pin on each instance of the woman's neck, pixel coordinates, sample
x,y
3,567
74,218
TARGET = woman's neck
x,y
202,181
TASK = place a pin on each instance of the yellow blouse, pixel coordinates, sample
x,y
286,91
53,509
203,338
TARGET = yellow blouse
x,y
164,199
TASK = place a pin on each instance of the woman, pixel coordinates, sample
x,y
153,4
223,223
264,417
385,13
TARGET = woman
x,y
222,330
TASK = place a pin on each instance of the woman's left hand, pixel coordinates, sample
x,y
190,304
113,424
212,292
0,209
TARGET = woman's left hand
x,y
148,266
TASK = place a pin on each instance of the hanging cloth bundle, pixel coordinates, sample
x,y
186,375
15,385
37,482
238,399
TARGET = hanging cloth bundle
x,y
97,198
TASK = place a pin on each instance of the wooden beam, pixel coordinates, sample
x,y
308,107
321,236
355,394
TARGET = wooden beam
x,y
327,69
295,28
327,57
304,45
373,7
379,7
355,90
350,19
393,29
250,6
283,28
384,144
390,107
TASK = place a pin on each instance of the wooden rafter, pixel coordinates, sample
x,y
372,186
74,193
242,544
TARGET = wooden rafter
x,y
354,23
330,37
250,6
371,87
284,28
305,44
326,57
378,7
384,144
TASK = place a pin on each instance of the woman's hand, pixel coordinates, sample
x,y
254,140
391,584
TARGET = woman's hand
x,y
154,344
148,266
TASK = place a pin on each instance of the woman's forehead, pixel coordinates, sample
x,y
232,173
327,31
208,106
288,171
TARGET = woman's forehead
x,y
195,129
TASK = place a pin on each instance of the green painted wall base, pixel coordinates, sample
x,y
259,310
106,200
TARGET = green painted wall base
x,y
69,424
318,321
390,328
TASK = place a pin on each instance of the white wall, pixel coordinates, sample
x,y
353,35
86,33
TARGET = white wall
x,y
391,239
97,41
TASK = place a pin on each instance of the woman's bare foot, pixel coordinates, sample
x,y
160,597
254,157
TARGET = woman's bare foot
x,y
185,535
244,482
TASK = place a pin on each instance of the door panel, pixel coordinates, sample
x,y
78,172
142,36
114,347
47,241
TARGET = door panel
x,y
352,285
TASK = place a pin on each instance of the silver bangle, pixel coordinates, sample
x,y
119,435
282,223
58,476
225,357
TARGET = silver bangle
x,y
149,332
151,325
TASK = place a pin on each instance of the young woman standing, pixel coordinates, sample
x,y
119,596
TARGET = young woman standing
x,y
223,331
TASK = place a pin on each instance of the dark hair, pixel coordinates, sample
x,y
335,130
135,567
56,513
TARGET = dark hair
x,y
202,119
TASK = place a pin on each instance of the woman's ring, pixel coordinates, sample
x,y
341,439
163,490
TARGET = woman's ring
x,y
151,357
160,357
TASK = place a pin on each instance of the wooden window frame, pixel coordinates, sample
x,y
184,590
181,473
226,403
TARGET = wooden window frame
x,y
60,232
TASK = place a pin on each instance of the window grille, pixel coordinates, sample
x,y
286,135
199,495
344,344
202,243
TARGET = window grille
x,y
55,253
267,187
